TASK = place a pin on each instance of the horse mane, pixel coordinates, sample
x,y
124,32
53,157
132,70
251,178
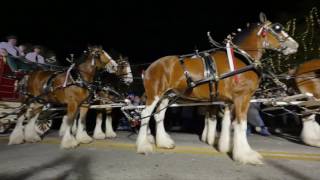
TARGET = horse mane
x,y
244,33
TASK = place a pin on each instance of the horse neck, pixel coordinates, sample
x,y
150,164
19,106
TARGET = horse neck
x,y
252,45
87,71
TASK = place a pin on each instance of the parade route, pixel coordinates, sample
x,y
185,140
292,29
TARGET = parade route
x,y
191,159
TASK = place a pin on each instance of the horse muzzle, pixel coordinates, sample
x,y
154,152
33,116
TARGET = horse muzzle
x,y
290,47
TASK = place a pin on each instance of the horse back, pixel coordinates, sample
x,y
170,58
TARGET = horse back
x,y
307,77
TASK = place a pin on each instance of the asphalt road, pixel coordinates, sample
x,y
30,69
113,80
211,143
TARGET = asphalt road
x,y
191,159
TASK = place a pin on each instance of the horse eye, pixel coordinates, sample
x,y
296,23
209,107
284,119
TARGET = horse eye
x,y
277,28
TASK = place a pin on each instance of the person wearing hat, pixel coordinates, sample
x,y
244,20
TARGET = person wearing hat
x,y
35,55
10,46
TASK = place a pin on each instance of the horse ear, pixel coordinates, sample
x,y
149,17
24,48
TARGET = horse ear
x,y
263,17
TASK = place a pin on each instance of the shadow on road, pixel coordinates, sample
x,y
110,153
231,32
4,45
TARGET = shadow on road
x,y
78,169
288,171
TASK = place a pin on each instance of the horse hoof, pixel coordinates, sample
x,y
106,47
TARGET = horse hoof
x,y
31,136
111,135
69,144
100,135
165,142
144,146
85,140
33,139
312,142
151,139
16,137
145,149
249,157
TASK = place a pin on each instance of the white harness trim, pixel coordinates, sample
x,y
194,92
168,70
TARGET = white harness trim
x,y
230,56
68,74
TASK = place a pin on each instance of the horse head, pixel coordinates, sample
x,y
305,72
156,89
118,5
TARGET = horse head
x,y
273,36
124,71
102,60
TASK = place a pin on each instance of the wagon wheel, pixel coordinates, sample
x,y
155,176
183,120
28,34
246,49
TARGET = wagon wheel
x,y
4,126
42,126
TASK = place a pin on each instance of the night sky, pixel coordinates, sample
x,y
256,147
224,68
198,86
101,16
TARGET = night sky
x,y
141,30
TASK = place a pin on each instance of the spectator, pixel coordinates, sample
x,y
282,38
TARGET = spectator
x,y
255,120
136,101
14,60
35,55
10,46
23,50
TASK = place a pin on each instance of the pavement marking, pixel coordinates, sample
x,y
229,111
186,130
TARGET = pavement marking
x,y
103,144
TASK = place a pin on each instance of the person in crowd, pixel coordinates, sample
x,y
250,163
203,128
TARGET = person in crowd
x,y
23,50
14,55
35,56
11,46
255,121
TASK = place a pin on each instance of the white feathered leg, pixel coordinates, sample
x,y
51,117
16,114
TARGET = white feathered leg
x,y
63,126
98,133
163,139
310,133
212,125
143,144
109,129
205,129
30,132
74,127
82,135
68,140
17,135
242,151
224,141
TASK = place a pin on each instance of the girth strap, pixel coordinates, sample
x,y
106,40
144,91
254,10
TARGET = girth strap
x,y
210,74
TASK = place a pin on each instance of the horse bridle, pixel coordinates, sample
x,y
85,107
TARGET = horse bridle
x,y
125,75
276,30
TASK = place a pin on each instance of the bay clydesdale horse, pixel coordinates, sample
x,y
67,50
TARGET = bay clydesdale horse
x,y
307,79
72,95
167,74
123,74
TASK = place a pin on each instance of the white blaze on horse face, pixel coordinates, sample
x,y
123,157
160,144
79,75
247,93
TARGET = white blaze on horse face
x,y
290,45
112,66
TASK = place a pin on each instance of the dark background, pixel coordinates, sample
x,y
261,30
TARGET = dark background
x,y
141,30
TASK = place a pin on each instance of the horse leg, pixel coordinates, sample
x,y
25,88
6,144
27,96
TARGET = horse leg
x,y
212,125
63,126
224,141
82,135
68,140
74,126
109,129
310,133
98,133
163,139
205,129
17,135
150,136
242,151
30,132
143,144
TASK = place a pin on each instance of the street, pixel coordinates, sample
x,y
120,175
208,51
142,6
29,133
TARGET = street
x,y
191,159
